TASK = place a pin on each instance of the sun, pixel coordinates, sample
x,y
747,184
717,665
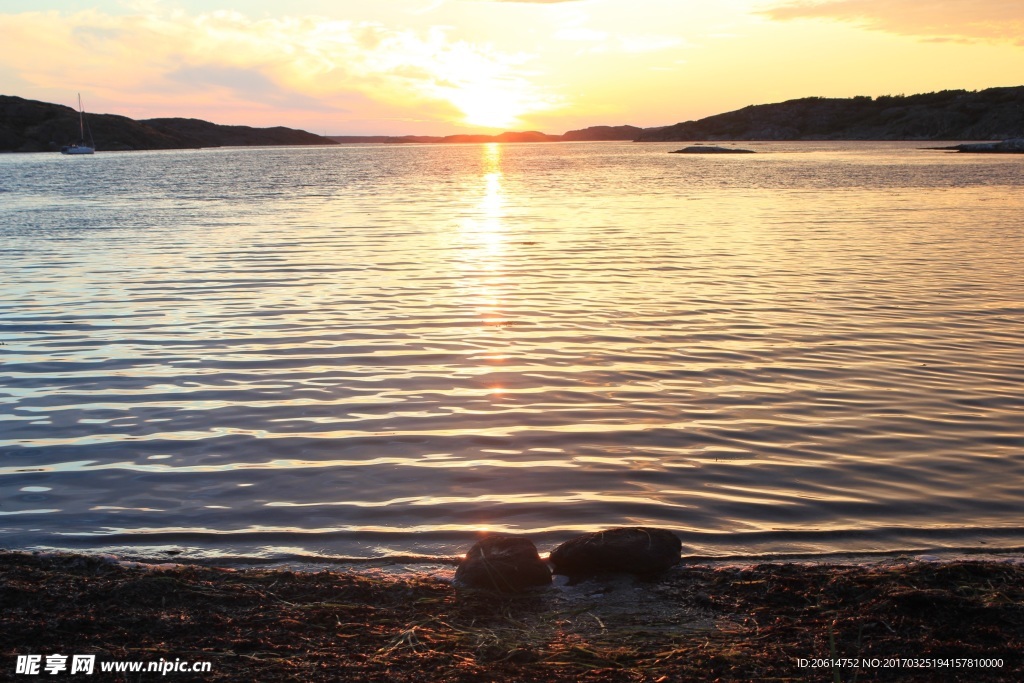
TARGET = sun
x,y
489,106
490,89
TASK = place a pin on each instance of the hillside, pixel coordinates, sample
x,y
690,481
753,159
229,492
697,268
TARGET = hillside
x,y
205,134
595,133
32,126
993,114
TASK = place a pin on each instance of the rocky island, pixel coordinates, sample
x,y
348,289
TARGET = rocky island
x,y
711,149
1013,146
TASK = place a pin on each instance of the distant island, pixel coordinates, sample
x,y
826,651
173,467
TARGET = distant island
x,y
992,114
711,149
592,134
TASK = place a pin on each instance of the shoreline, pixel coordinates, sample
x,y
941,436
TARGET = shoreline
x,y
417,563
891,620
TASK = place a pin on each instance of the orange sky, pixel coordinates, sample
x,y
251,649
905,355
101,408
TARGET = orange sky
x,y
446,66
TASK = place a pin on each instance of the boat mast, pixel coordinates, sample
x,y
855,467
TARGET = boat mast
x,y
81,120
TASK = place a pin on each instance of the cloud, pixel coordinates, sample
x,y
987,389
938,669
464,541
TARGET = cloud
x,y
961,20
155,58
604,42
243,84
581,34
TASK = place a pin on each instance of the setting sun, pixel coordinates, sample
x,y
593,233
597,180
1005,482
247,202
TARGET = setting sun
x,y
490,89
488,106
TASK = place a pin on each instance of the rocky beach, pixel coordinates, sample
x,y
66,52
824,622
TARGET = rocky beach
x,y
900,619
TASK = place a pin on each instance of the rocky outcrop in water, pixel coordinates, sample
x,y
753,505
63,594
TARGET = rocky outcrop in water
x,y
708,149
1013,146
630,550
506,564
993,114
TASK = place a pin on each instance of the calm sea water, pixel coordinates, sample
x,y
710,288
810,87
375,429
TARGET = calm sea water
x,y
381,350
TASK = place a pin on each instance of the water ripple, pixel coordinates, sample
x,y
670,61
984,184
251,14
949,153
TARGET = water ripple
x,y
373,351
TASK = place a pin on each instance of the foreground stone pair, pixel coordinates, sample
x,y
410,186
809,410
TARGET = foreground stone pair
x,y
511,563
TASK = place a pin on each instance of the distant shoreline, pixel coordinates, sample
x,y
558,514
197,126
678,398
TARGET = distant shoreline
x,y
951,115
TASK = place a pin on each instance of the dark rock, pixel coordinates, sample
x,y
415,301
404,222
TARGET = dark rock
x,y
502,563
975,147
1012,146
706,149
633,550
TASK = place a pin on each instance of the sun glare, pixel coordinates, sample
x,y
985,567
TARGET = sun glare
x,y
488,106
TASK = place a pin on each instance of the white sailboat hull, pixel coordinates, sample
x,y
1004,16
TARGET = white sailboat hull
x,y
80,147
77,149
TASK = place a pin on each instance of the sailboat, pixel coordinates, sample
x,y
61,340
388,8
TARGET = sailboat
x,y
80,147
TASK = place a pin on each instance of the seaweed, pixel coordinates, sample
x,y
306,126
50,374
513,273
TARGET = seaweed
x,y
693,623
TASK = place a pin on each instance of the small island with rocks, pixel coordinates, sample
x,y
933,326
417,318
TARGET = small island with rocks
x,y
711,149
1012,146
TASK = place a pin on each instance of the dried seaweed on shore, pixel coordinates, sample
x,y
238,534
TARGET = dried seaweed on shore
x,y
696,623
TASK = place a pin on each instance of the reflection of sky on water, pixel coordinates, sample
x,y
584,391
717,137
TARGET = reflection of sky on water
x,y
392,346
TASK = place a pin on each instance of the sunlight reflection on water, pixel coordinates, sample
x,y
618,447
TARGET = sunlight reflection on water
x,y
387,348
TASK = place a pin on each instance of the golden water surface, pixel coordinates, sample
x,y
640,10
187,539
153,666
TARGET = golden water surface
x,y
373,350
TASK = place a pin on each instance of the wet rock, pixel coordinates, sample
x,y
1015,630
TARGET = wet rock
x,y
502,563
1011,146
633,550
711,149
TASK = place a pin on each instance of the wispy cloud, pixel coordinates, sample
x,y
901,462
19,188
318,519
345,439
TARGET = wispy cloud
x,y
604,42
965,20
159,56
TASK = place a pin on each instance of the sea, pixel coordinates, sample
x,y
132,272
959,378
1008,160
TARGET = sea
x,y
367,352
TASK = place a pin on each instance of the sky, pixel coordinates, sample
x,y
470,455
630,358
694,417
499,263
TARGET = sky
x,y
438,67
